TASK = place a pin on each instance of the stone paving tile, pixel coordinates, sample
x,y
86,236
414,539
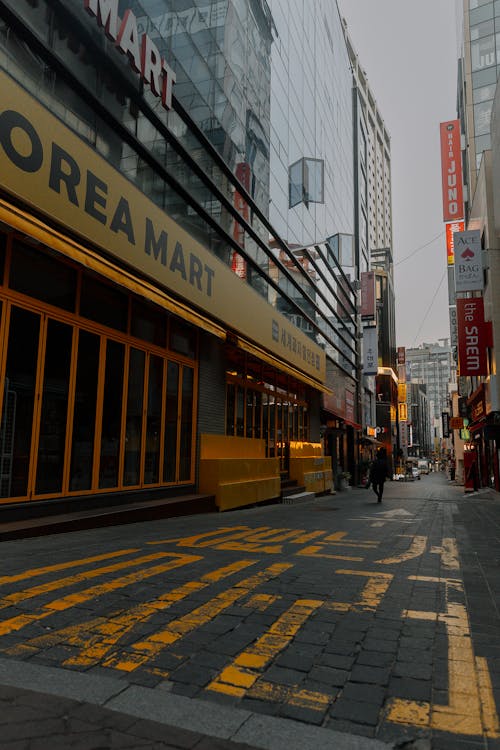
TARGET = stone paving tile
x,y
358,658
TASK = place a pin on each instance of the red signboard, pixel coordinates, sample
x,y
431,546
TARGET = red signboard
x,y
401,355
451,228
368,294
474,336
451,170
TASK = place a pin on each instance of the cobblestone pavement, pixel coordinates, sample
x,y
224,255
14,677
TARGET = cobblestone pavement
x,y
337,623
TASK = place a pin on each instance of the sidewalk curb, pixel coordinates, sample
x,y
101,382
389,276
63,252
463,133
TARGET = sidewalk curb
x,y
190,714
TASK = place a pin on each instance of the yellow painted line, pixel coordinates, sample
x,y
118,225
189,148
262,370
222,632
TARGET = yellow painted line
x,y
98,636
243,547
373,591
96,642
63,566
18,622
417,548
304,538
471,704
60,583
261,602
414,614
246,669
142,651
365,574
449,553
294,696
314,550
491,722
210,538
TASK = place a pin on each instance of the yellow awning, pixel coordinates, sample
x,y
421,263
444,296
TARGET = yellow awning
x,y
260,353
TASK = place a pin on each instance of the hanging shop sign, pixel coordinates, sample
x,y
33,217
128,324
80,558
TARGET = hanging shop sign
x,y
50,168
451,171
445,421
142,52
368,306
370,350
451,228
474,336
468,261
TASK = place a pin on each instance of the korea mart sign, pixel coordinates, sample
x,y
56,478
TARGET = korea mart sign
x,y
48,167
468,261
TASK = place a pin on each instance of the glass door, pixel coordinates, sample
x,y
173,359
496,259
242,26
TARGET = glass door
x,y
18,409
52,430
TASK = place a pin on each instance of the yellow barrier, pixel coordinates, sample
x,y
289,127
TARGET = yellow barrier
x,y
236,471
313,472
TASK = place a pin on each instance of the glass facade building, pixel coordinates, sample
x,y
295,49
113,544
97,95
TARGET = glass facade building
x,y
477,81
143,244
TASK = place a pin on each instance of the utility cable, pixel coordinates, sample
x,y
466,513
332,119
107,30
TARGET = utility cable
x,y
429,308
414,252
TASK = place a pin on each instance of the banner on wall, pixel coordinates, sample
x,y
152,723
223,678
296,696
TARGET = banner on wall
x,y
370,350
468,261
451,229
474,336
368,307
451,171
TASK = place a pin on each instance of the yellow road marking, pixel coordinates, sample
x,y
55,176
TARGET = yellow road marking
x,y
491,722
471,704
97,637
142,651
210,537
294,696
314,550
18,622
371,594
245,670
63,566
261,601
268,540
60,583
449,553
417,548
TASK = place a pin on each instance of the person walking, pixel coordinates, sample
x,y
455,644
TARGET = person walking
x,y
378,473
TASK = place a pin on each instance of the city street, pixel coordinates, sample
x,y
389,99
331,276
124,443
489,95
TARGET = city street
x,y
333,623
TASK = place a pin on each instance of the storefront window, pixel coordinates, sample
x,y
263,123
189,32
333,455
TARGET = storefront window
x,y
133,429
112,415
186,435
18,402
83,438
103,303
153,423
39,275
54,412
171,435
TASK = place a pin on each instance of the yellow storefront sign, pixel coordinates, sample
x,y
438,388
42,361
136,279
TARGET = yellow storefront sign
x,y
50,168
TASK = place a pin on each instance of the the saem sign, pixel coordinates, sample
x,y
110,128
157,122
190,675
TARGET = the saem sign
x,y
451,169
474,336
141,51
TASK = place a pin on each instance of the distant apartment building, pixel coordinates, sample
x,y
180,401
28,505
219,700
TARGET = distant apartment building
x,y
433,366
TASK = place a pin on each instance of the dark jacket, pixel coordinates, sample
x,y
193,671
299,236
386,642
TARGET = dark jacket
x,y
378,471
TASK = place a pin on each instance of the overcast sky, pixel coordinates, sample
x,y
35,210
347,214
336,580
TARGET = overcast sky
x,y
409,53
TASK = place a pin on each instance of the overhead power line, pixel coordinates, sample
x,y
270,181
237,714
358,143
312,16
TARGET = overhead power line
x,y
418,249
429,308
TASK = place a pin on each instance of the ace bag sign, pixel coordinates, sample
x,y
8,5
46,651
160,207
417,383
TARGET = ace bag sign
x,y
468,261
